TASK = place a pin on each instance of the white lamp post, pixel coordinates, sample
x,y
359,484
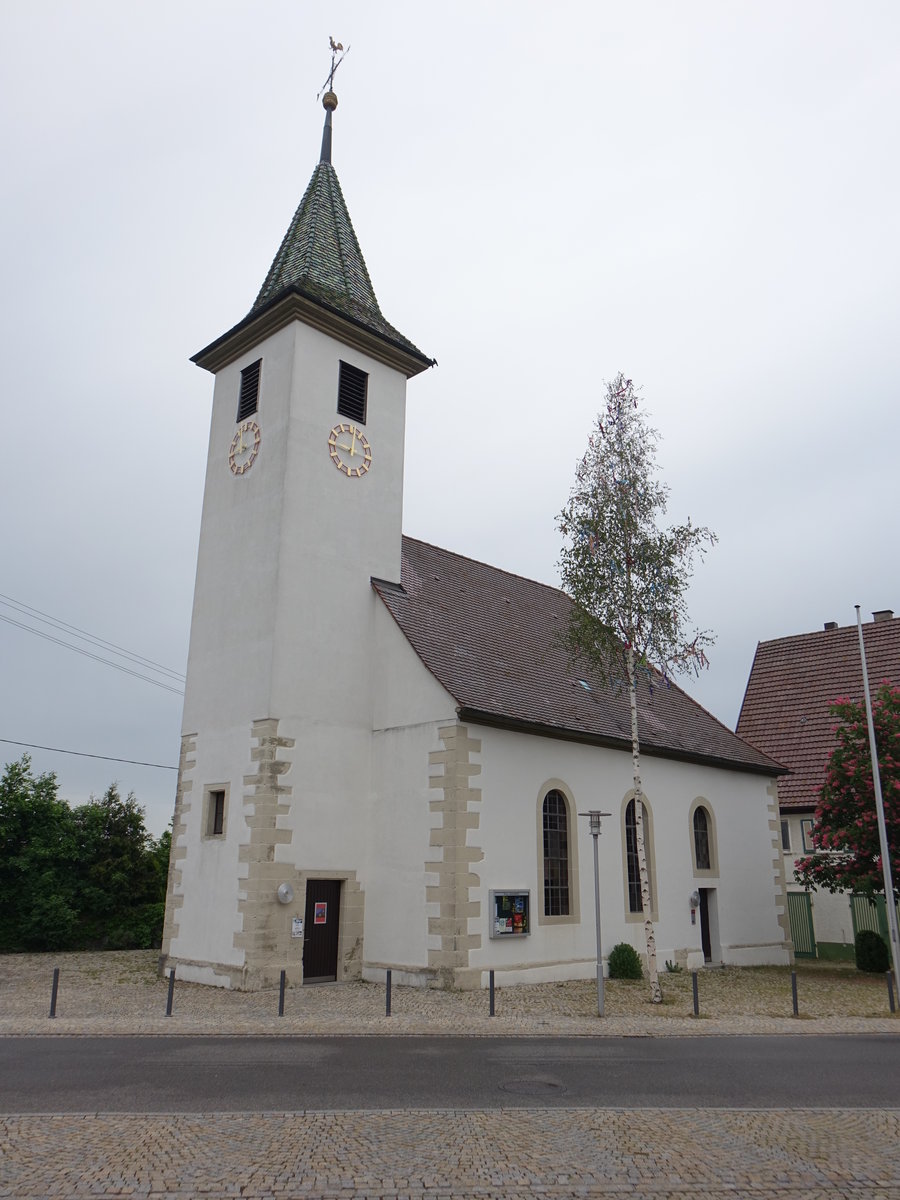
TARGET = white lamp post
x,y
890,906
595,822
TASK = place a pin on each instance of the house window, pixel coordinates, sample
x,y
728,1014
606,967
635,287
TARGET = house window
x,y
215,812
353,387
701,839
785,834
635,903
806,829
556,855
249,397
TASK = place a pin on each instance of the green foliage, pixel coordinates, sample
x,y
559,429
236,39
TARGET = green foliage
x,y
38,855
847,854
624,962
674,968
627,575
70,879
871,952
628,578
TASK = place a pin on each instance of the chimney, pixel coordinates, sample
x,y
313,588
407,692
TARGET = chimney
x,y
883,614
831,624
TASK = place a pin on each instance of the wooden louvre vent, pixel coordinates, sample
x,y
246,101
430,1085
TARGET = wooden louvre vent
x,y
353,387
249,396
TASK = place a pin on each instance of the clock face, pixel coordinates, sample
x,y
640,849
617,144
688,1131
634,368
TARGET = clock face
x,y
349,449
244,447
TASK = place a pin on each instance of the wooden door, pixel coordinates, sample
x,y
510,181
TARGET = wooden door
x,y
320,930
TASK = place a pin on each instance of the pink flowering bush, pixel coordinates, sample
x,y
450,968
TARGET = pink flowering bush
x,y
847,853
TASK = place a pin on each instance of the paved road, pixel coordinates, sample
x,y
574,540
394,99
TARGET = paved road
x,y
155,1075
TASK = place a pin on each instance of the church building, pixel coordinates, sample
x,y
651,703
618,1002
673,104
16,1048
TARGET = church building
x,y
386,753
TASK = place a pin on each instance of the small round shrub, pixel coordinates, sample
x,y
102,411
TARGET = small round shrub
x,y
871,952
624,962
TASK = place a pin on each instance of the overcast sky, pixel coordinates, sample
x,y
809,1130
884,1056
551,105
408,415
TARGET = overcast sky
x,y
705,196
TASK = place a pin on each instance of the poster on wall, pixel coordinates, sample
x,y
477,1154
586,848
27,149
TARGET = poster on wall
x,y
509,914
297,927
321,912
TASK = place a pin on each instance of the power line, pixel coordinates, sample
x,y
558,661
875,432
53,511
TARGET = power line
x,y
96,657
83,754
64,627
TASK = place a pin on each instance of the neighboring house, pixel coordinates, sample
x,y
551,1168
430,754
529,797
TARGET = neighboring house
x,y
386,753
793,682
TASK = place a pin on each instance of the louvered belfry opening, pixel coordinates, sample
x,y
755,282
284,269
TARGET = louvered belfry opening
x,y
353,386
249,397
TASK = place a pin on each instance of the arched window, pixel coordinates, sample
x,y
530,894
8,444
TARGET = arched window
x,y
702,830
635,904
701,838
556,854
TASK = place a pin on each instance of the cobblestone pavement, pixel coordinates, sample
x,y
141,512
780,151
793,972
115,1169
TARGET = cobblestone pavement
x,y
657,1153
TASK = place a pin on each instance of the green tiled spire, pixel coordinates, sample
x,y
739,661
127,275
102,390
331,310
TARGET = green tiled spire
x,y
320,256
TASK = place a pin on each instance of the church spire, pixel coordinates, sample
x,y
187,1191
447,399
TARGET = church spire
x,y
320,257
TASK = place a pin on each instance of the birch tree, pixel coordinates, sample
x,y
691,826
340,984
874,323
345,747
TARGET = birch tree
x,y
628,577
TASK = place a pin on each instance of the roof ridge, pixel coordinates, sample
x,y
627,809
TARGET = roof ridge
x,y
479,562
831,633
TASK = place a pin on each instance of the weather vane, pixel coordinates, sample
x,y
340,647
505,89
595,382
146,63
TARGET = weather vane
x,y
336,48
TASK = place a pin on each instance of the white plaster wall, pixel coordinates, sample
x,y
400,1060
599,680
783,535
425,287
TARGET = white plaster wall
x,y
234,593
832,921
209,917
515,769
409,706
283,620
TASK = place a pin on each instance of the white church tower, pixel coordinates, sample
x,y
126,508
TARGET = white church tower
x,y
302,508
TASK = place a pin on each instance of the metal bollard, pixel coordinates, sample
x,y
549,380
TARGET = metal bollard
x,y
890,983
281,994
794,993
171,995
491,985
696,988
387,995
55,990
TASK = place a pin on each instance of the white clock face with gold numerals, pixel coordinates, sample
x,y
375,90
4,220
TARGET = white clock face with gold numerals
x,y
349,449
244,447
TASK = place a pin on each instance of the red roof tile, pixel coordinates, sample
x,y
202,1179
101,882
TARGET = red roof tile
x,y
490,638
792,683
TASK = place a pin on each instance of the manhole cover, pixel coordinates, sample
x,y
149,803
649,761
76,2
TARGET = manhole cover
x,y
534,1086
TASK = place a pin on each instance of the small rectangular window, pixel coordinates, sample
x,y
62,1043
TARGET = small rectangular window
x,y
806,828
249,397
785,834
353,387
216,819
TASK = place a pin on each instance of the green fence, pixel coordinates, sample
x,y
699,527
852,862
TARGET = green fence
x,y
800,916
871,914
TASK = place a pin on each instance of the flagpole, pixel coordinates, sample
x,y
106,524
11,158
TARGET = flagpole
x,y
889,902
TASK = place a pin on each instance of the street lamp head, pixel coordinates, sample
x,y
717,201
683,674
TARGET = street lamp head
x,y
595,818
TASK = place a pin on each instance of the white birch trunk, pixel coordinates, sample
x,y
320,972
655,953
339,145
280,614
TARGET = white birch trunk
x,y
655,990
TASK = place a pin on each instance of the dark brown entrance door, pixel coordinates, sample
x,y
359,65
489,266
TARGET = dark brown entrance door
x,y
704,925
320,930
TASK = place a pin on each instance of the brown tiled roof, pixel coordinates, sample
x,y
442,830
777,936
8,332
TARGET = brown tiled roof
x,y
491,639
792,683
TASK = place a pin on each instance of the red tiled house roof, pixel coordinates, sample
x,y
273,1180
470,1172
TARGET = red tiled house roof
x,y
490,639
793,681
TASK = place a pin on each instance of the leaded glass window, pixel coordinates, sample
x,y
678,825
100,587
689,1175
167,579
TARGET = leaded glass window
x,y
701,839
556,855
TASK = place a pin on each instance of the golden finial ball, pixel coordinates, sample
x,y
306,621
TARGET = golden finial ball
x,y
329,101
